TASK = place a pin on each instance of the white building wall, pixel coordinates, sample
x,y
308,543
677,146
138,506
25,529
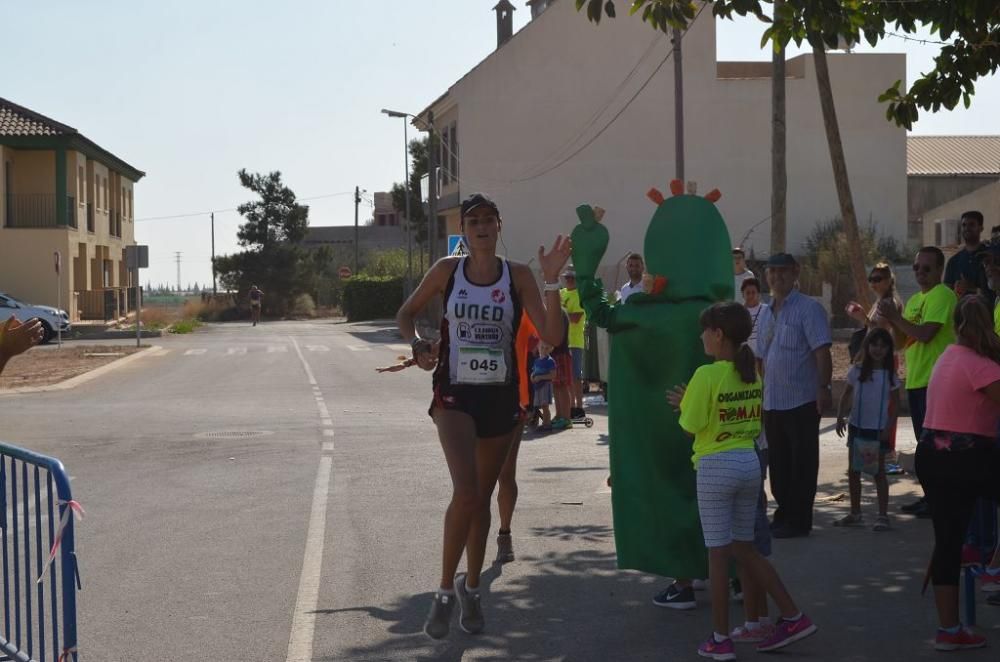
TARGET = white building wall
x,y
519,107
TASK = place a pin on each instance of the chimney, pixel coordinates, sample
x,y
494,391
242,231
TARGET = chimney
x,y
505,21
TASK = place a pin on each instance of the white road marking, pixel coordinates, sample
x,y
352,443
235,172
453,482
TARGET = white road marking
x,y
300,643
277,349
327,446
236,350
327,433
317,348
359,348
323,411
309,372
327,422
195,352
400,348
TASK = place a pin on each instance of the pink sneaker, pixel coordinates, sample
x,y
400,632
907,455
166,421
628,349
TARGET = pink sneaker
x,y
971,555
787,632
990,583
742,635
717,651
965,638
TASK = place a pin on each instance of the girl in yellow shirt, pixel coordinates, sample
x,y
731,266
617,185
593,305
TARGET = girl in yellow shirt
x,y
721,407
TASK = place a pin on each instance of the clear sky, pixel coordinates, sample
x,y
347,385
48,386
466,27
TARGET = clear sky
x,y
190,91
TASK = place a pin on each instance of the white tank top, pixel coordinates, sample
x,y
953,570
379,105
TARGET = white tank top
x,y
479,327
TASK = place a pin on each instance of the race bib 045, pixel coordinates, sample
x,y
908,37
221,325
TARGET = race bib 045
x,y
480,365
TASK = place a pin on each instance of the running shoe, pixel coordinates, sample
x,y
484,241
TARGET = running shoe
x,y
851,519
505,548
742,635
716,650
990,583
971,555
471,617
438,620
962,640
788,632
561,423
894,469
675,597
737,589
881,523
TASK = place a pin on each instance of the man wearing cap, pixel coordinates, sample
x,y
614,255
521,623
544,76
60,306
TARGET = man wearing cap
x,y
793,350
570,298
740,272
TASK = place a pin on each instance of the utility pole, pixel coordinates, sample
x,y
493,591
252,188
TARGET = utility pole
x,y
432,228
409,226
214,291
177,256
779,173
357,201
678,105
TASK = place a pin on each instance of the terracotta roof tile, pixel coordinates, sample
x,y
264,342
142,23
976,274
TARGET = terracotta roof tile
x,y
17,120
953,155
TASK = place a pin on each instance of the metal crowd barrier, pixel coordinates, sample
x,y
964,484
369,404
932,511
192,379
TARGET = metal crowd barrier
x,y
40,574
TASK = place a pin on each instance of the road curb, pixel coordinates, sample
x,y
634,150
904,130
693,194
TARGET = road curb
x,y
83,378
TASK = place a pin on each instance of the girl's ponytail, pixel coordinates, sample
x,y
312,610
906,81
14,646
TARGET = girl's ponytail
x,y
746,364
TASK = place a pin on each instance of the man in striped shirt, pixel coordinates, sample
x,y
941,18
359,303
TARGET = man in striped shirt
x,y
793,348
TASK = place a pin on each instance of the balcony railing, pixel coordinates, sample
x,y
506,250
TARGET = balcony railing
x,y
37,210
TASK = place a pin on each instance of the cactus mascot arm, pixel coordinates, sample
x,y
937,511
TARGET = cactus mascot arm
x,y
654,346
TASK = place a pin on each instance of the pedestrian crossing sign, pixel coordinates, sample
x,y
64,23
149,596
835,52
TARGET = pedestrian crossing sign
x,y
456,245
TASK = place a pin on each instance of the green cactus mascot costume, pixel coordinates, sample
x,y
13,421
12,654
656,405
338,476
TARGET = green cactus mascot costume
x,y
655,344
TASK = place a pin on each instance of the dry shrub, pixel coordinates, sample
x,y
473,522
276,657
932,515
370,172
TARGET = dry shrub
x,y
304,306
157,317
193,309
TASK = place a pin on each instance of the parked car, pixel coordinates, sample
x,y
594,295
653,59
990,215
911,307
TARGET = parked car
x,y
52,318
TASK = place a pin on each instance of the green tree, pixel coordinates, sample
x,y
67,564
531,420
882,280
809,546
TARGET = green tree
x,y
972,25
418,168
272,233
969,31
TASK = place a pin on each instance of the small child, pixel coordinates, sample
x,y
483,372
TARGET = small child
x,y
721,408
543,370
871,386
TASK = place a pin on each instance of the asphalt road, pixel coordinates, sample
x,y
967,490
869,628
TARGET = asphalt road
x,y
237,511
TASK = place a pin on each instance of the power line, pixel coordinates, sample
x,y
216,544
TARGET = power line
x,y
614,95
616,115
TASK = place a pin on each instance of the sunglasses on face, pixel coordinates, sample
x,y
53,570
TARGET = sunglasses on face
x,y
875,279
922,269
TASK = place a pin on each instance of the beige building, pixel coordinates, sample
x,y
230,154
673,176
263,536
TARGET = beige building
x,y
62,192
947,175
534,125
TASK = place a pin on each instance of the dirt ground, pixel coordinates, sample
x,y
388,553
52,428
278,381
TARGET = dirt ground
x,y
41,367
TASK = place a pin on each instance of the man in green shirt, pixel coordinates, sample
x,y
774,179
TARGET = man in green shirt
x,y
570,298
928,324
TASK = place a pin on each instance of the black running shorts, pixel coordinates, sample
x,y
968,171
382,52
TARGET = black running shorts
x,y
495,410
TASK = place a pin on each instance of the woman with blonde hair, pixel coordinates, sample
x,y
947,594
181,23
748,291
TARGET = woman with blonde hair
x,y
882,281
